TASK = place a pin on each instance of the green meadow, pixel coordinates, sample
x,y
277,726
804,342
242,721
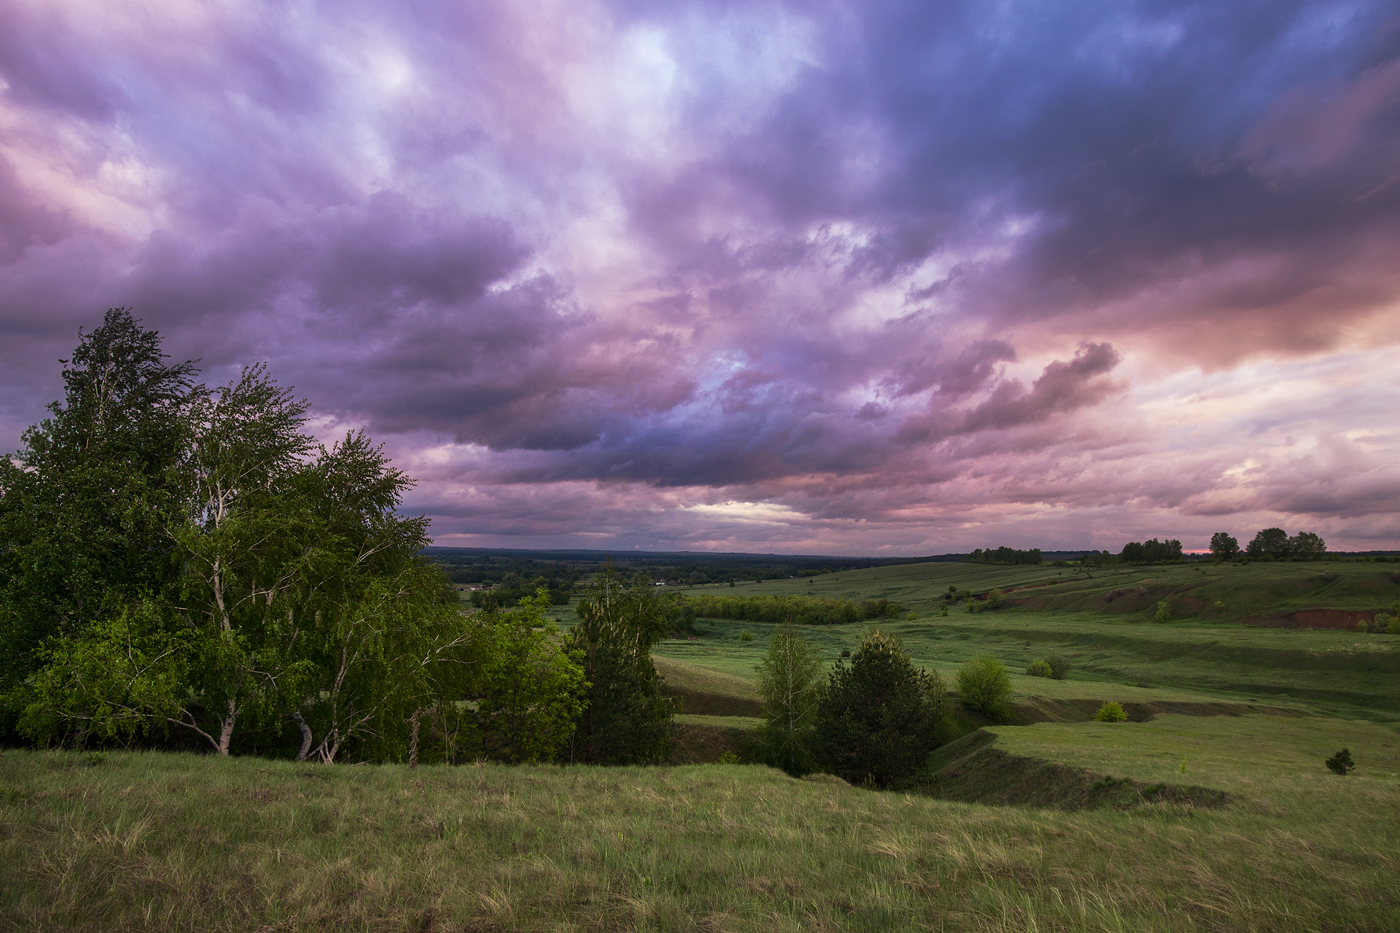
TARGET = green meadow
x,y
1210,809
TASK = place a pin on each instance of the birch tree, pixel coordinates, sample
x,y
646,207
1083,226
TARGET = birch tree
x,y
789,681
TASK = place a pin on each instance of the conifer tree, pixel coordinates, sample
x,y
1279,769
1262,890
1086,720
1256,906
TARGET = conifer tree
x,y
880,717
626,720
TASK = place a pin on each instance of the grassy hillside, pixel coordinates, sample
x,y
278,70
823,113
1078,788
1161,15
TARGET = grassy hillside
x,y
167,842
1103,621
1211,810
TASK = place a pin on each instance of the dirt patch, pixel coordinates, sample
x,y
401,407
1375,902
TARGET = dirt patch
x,y
696,745
1336,619
1044,709
971,770
698,703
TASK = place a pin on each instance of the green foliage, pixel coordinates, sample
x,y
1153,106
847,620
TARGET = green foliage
x,y
529,688
789,681
1038,669
1270,542
803,610
248,576
1151,551
625,719
109,682
86,503
879,718
1223,546
746,635
1341,763
1004,555
1112,711
983,686
1306,546
1060,665
1275,543
1163,613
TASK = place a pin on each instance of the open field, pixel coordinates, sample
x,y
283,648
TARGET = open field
x,y
167,842
1119,652
1211,811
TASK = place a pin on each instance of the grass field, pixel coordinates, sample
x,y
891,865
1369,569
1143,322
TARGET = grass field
x,y
1212,811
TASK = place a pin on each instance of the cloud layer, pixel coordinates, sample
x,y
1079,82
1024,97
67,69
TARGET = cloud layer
x,y
841,278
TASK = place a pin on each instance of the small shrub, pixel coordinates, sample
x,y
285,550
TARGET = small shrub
x,y
944,610
746,636
1362,625
1393,626
845,652
728,758
1164,612
1038,669
1059,665
1111,711
1341,762
983,686
995,600
96,758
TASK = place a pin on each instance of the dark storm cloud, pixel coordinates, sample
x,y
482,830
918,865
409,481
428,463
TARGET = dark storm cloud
x,y
715,273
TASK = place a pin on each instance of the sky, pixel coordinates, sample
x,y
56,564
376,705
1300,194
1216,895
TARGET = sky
x,y
867,278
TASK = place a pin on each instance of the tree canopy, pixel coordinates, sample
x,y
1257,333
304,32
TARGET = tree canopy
x,y
879,717
178,557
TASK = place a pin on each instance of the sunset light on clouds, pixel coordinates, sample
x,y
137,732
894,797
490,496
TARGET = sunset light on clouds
x,y
869,278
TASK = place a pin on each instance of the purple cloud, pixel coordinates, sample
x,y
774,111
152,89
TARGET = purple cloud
x,y
902,278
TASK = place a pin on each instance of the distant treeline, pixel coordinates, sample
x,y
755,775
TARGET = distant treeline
x,y
1151,551
513,574
1005,555
803,610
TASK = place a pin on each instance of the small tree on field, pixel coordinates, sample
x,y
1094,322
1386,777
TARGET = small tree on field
x,y
1223,546
1060,665
1112,711
880,717
984,686
1270,542
1306,546
1341,763
789,680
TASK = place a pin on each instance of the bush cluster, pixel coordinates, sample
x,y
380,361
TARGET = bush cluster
x,y
1054,665
984,687
1341,763
1112,711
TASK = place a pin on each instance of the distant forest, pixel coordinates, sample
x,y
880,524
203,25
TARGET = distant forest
x,y
513,574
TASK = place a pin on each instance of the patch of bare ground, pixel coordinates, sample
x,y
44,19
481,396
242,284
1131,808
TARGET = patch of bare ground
x,y
698,744
973,770
1335,619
